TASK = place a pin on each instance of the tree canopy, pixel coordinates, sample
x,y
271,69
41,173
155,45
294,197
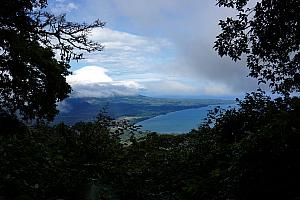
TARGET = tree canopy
x,y
32,78
268,33
249,152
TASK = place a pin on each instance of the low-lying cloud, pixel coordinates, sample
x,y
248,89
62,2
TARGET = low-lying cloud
x,y
92,81
192,27
167,41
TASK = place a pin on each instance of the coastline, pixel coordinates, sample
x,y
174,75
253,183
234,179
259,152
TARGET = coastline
x,y
181,121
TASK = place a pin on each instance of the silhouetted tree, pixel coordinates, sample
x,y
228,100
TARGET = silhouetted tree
x,y
268,33
32,79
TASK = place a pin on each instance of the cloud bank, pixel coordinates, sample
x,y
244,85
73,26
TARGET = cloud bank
x,y
192,27
92,81
167,45
126,50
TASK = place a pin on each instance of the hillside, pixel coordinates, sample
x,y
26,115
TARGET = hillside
x,y
133,108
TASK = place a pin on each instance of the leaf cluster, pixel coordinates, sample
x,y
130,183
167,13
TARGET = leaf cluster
x,y
52,162
268,34
32,78
249,153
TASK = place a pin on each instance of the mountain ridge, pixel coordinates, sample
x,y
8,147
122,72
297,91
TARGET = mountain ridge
x,y
134,108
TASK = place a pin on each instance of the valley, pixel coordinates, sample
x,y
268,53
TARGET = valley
x,y
133,108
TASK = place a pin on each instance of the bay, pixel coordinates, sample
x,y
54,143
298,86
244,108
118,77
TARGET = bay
x,y
180,121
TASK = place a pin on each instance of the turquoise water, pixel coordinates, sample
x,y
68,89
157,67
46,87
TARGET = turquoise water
x,y
180,121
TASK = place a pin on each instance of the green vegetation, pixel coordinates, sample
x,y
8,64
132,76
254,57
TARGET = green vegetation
x,y
267,33
30,73
250,153
132,108
247,153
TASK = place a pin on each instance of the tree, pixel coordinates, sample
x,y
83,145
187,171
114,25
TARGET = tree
x,y
268,33
32,78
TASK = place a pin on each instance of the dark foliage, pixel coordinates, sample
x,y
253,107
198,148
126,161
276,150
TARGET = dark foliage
x,y
32,79
250,153
65,162
258,145
268,33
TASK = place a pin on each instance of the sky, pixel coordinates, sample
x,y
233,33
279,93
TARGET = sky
x,y
156,48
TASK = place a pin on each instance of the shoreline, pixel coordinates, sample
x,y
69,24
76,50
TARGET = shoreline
x,y
163,124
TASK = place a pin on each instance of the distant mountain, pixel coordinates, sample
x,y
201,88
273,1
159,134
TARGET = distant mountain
x,y
133,108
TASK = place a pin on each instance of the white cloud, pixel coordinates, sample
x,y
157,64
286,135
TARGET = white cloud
x,y
100,90
61,6
92,81
191,27
127,52
187,54
89,74
118,40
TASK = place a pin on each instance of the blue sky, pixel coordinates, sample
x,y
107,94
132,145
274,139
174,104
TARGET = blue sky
x,y
155,48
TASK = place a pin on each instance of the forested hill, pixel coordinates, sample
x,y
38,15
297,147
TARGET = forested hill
x,y
134,108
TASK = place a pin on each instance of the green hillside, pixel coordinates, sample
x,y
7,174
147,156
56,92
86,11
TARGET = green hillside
x,y
133,108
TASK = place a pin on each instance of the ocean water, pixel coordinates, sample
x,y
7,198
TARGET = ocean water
x,y
180,121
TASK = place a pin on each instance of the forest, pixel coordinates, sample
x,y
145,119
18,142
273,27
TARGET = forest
x,y
250,152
